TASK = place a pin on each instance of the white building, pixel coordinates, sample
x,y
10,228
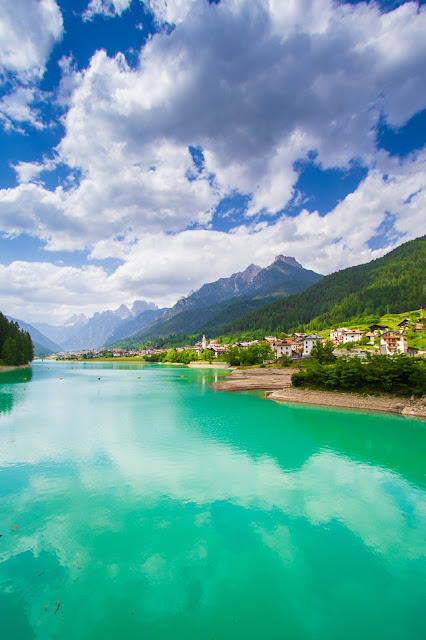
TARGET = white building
x,y
336,335
282,348
308,343
352,335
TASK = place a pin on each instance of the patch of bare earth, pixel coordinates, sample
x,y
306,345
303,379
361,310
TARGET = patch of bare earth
x,y
246,379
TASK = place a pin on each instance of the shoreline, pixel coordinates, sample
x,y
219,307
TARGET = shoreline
x,y
277,386
141,360
208,365
5,368
340,400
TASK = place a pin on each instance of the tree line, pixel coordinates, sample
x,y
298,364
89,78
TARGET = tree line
x,y
399,375
16,346
234,356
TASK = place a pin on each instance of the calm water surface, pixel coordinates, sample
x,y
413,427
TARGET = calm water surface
x,y
144,505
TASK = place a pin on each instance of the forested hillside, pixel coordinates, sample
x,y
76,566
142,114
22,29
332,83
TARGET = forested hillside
x,y
16,347
393,284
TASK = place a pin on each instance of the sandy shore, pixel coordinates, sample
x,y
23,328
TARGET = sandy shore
x,y
277,384
246,379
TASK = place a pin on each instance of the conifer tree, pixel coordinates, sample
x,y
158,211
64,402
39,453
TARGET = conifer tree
x,y
8,352
16,346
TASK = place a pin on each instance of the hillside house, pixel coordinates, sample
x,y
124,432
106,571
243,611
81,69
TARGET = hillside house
x,y
336,335
352,335
378,329
393,342
404,324
308,343
282,348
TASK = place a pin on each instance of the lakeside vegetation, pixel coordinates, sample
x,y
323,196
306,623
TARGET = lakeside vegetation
x,y
16,346
399,375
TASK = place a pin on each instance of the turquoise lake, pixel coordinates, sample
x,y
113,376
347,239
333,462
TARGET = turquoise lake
x,y
146,505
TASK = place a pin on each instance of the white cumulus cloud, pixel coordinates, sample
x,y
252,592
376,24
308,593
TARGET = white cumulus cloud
x,y
255,85
28,32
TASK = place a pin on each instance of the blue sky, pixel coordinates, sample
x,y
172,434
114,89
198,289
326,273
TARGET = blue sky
x,y
149,147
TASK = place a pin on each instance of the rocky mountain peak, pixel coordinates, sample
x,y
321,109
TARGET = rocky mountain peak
x,y
76,319
123,311
251,272
288,260
142,305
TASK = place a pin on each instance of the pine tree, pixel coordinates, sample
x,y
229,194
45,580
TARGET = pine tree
x,y
8,352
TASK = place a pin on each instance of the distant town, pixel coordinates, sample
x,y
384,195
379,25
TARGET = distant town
x,y
379,339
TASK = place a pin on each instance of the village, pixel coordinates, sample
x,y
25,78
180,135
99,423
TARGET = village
x,y
379,339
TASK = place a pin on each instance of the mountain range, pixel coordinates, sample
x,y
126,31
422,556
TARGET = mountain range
x,y
229,298
80,332
281,297
395,283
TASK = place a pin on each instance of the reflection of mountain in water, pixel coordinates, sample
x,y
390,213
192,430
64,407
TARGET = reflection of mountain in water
x,y
12,387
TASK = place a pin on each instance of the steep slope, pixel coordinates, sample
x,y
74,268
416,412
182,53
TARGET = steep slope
x,y
134,324
230,298
218,291
395,283
40,340
40,351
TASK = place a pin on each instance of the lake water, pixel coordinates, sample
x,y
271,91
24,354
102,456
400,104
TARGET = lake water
x,y
145,505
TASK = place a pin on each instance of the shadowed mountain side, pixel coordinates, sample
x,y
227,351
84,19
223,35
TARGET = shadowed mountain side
x,y
132,325
391,284
239,307
215,292
212,317
42,344
192,320
40,351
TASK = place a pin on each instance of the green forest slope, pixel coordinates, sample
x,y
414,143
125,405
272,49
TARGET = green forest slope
x,y
16,347
391,284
